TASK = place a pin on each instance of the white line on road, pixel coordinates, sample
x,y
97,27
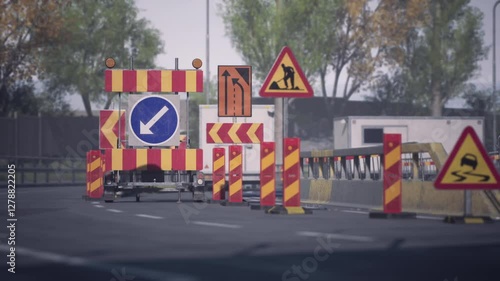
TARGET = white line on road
x,y
99,206
149,217
355,212
77,261
429,218
94,202
114,210
336,236
216,224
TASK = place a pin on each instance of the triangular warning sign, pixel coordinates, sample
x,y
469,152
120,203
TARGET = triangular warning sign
x,y
468,166
286,78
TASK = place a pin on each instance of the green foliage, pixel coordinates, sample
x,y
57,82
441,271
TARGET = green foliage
x,y
440,57
97,30
27,29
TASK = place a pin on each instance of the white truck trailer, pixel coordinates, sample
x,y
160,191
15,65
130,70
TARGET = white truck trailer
x,y
362,131
251,152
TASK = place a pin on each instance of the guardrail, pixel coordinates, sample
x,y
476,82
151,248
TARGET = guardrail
x,y
420,161
47,171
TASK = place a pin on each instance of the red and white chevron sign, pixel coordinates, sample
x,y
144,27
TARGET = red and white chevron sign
x,y
235,132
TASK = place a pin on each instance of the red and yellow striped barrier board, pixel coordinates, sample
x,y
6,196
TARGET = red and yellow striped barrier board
x,y
218,173
392,174
95,187
291,172
124,80
267,174
235,174
153,159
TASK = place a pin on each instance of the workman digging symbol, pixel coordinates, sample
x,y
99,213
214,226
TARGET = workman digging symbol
x,y
288,75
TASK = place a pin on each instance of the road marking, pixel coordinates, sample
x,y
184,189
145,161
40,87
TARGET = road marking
x,y
430,218
216,224
77,261
355,212
99,206
94,202
149,217
114,210
336,236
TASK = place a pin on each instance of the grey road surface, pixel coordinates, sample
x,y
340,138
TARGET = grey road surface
x,y
59,236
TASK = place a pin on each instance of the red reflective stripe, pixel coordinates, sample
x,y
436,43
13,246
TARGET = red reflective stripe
x,y
108,81
129,159
129,81
154,80
154,159
178,81
199,81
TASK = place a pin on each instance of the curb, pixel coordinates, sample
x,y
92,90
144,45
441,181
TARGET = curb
x,y
382,215
280,210
468,219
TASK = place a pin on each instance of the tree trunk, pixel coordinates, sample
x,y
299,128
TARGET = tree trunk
x,y
86,104
108,100
436,100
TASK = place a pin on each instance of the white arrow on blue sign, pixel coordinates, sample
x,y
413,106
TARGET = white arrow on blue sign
x,y
153,120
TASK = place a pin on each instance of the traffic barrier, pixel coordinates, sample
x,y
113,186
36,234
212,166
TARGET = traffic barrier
x,y
95,187
291,180
392,180
153,159
218,174
126,80
235,177
267,176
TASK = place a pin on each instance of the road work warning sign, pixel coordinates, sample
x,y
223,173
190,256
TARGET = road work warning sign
x,y
286,78
468,166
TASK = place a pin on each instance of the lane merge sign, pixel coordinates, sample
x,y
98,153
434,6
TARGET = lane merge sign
x,y
153,120
468,166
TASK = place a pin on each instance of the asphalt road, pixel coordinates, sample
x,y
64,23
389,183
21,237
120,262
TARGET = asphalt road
x,y
59,236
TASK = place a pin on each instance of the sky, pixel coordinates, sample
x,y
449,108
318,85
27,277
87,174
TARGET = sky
x,y
183,27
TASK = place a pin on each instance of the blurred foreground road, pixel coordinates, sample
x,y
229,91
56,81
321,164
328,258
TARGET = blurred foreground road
x,y
59,236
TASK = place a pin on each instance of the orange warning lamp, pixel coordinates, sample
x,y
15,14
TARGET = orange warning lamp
x,y
197,63
110,63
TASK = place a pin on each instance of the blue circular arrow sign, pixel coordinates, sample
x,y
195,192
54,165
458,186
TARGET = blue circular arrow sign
x,y
154,120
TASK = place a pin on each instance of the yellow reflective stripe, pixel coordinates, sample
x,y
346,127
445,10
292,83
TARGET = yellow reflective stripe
x,y
142,80
95,164
117,80
190,80
166,80
291,159
267,161
393,157
392,192
219,163
235,187
141,159
191,159
166,159
267,188
291,190
235,162
117,159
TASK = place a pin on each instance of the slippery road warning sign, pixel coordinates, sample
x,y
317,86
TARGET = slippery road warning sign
x,y
286,78
468,166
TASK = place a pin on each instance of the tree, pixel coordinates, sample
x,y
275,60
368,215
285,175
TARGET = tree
x,y
440,57
97,30
328,37
27,29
